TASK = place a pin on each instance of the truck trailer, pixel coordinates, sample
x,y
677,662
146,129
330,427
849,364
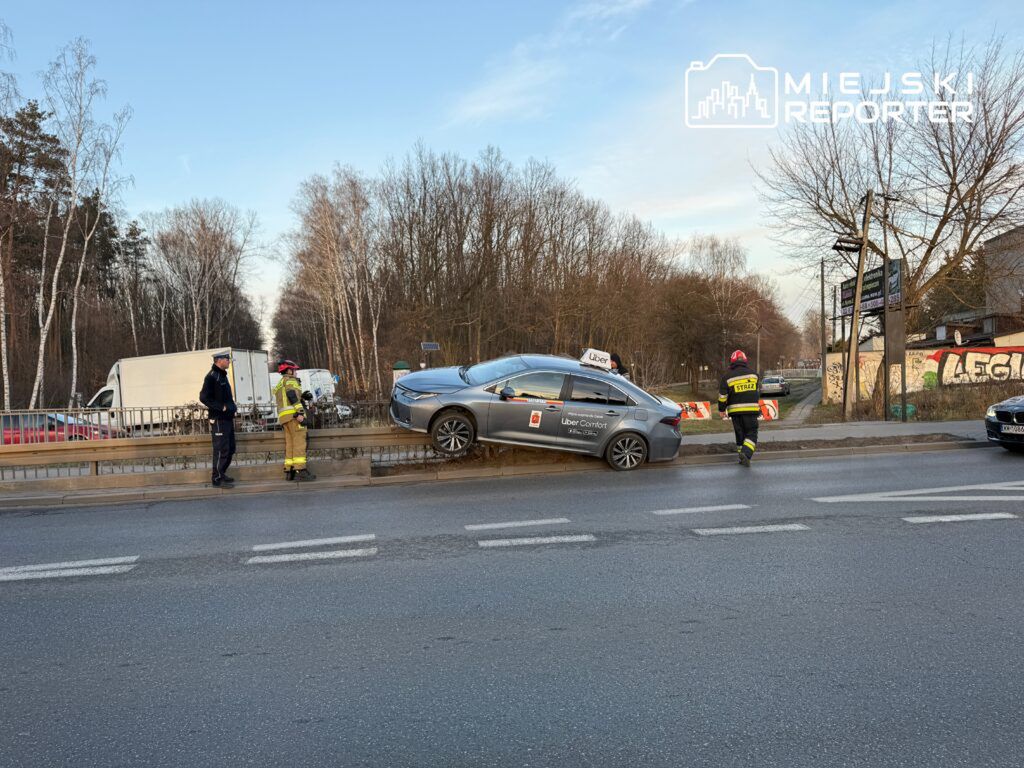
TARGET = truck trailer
x,y
155,389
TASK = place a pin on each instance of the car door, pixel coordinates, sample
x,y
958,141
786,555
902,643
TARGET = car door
x,y
532,413
592,411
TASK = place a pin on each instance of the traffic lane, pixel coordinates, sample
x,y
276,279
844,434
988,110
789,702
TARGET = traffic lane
x,y
772,490
871,648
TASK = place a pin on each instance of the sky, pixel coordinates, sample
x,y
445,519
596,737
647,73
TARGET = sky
x,y
243,100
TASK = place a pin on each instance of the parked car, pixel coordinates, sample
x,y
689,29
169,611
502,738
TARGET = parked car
x,y
538,401
774,385
1004,423
19,429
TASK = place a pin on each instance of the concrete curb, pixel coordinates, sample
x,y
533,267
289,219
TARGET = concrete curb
x,y
158,494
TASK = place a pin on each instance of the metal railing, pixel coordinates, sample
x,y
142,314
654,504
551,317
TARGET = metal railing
x,y
61,425
164,454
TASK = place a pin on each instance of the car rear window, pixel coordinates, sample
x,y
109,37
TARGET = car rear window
x,y
589,391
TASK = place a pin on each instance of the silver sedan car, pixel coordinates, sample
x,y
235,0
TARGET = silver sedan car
x,y
538,401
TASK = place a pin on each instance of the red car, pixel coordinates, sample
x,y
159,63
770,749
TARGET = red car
x,y
48,428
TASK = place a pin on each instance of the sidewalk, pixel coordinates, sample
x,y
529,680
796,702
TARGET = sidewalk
x,y
965,430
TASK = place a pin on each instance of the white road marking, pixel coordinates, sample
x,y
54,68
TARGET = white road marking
x,y
69,564
536,540
64,573
315,542
299,556
695,510
782,528
933,494
960,518
516,524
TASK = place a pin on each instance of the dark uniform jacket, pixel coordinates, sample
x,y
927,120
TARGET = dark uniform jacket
x,y
737,392
216,394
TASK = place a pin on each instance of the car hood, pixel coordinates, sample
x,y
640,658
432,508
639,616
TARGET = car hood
x,y
437,380
1012,402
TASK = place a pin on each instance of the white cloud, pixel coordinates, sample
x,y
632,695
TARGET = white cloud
x,y
524,82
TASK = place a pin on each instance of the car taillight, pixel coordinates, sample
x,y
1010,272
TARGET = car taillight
x,y
673,421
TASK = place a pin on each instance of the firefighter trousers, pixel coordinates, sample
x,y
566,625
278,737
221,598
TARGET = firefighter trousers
x,y
745,427
294,445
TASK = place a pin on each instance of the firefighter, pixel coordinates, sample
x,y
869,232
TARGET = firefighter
x,y
290,415
738,398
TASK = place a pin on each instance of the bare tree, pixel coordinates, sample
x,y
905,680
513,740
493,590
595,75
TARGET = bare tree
x,y
957,183
106,148
71,91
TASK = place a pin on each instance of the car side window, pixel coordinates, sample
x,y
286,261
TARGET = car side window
x,y
615,397
540,385
589,391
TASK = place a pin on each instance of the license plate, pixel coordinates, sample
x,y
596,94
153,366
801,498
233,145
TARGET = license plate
x,y
1013,429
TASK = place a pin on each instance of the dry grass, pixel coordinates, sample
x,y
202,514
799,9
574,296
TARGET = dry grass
x,y
966,401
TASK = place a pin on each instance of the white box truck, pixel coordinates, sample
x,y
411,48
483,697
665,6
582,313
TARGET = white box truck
x,y
147,390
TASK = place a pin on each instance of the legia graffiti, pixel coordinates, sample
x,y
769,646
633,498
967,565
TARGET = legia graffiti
x,y
977,365
927,369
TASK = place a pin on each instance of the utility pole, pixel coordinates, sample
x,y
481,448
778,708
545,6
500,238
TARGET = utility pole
x,y
853,352
835,311
757,356
824,342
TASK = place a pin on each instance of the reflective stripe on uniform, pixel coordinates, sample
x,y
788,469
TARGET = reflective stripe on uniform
x,y
750,444
723,398
737,379
744,408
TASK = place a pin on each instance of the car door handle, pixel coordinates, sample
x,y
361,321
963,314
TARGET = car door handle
x,y
554,407
611,413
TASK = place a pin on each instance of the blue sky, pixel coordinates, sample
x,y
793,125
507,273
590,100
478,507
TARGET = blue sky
x,y
242,100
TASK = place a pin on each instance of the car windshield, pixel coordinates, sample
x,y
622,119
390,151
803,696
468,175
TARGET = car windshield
x,y
493,369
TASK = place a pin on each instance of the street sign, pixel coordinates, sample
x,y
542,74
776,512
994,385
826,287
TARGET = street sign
x,y
872,293
430,346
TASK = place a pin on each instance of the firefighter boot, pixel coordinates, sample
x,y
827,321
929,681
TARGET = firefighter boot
x,y
305,475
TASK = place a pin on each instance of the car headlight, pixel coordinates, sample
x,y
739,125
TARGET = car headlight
x,y
991,412
423,395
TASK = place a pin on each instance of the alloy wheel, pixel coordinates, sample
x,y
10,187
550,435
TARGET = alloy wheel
x,y
453,435
627,452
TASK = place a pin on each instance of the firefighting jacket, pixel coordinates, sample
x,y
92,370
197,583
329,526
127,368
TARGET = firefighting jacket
x,y
288,398
737,392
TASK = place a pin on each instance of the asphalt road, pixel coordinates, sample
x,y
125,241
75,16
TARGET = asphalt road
x,y
840,635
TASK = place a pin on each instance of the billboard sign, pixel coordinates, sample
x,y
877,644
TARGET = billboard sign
x,y
871,296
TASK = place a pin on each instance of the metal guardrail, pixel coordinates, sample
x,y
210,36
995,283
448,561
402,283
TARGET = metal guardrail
x,y
384,446
55,425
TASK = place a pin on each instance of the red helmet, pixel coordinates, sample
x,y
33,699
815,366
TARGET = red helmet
x,y
738,357
287,365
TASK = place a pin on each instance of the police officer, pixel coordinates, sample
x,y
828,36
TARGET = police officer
x,y
220,408
739,399
291,415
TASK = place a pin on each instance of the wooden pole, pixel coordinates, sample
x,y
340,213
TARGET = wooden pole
x,y
853,351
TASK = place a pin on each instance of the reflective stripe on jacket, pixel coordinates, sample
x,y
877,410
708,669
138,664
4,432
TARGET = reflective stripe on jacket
x,y
738,391
288,399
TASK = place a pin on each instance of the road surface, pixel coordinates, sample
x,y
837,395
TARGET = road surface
x,y
841,612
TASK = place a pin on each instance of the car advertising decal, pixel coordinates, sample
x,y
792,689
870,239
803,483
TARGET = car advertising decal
x,y
535,419
583,424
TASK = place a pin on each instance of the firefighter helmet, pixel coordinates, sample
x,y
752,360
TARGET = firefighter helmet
x,y
287,365
738,357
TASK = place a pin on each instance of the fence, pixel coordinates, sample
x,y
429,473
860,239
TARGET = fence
x,y
81,424
796,373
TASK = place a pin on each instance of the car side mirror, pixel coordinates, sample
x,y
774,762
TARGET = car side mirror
x,y
506,393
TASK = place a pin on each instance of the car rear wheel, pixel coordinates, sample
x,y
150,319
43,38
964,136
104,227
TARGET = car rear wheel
x,y
452,433
626,451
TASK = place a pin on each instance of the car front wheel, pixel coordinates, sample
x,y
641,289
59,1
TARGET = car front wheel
x,y
452,433
626,451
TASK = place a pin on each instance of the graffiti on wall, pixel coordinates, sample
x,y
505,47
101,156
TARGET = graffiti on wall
x,y
978,365
928,369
